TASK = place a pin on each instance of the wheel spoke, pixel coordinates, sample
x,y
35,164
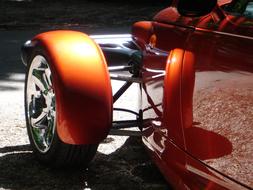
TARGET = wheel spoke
x,y
41,80
48,77
38,137
50,130
41,108
40,121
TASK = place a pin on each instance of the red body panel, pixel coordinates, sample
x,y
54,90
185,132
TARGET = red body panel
x,y
198,118
222,102
82,85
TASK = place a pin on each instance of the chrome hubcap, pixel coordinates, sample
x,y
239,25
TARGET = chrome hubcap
x,y
41,105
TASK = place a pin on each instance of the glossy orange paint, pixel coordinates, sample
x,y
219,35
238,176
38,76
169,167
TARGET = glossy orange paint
x,y
142,32
171,120
82,86
159,126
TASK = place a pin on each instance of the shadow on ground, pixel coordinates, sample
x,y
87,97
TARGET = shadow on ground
x,y
127,168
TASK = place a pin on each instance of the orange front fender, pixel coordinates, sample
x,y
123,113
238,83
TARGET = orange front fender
x,y
82,86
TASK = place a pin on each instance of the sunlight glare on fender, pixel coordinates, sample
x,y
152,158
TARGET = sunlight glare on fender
x,y
84,49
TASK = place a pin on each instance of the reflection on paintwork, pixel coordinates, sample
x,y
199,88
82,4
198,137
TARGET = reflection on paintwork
x,y
223,104
199,121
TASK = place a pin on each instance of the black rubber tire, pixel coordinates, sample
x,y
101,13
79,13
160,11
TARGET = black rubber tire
x,y
60,154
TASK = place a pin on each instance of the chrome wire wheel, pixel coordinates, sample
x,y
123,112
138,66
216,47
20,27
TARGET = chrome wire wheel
x,y
40,104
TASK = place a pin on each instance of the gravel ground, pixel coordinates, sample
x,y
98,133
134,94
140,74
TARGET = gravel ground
x,y
121,162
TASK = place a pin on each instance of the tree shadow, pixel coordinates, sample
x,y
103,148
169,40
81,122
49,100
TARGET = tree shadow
x,y
127,168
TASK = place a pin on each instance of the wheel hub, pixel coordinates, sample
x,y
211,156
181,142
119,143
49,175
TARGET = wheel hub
x,y
40,104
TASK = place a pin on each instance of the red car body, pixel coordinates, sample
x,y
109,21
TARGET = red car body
x,y
200,114
196,78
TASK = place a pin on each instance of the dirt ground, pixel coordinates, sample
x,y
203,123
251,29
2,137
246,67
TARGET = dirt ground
x,y
121,162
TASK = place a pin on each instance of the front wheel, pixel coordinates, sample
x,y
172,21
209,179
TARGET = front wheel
x,y
41,118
